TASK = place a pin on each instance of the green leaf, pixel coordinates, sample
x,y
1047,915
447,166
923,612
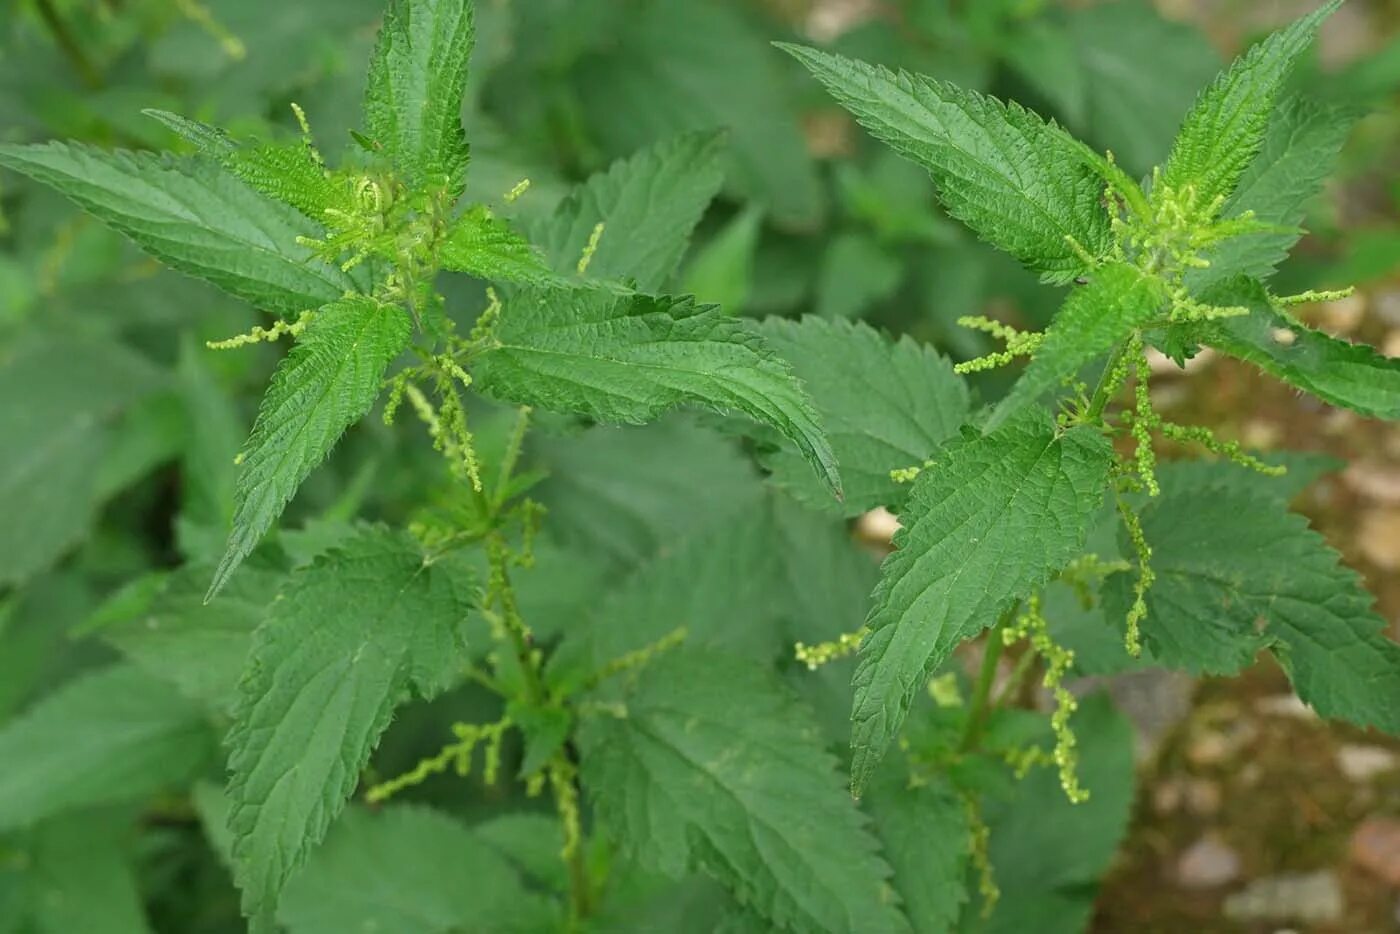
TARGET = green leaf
x,y
1014,179
721,272
927,839
327,382
1094,318
71,392
336,654
116,735
857,272
674,66
200,648
409,870
621,495
717,766
1134,109
483,245
213,433
1353,376
648,204
81,877
718,585
1228,588
885,404
1046,885
1226,127
413,98
288,172
1298,155
193,216
631,359
994,518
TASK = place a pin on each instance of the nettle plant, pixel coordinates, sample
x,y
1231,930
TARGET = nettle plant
x,y
665,713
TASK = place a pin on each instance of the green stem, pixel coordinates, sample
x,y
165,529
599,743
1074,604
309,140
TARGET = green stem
x,y
87,73
1103,392
514,623
981,694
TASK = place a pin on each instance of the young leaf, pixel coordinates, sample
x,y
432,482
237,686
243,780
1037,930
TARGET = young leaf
x,y
326,383
717,766
1226,127
648,205
116,735
291,173
1299,153
885,405
1263,579
409,870
192,216
1014,179
1353,376
926,837
483,245
336,654
1094,318
63,396
631,359
994,517
417,79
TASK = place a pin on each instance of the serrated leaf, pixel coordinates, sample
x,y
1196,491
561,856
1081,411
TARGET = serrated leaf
x,y
193,216
995,517
648,203
289,172
417,80
200,648
1045,885
1135,110
621,495
1353,376
1094,318
327,382
718,766
63,397
1014,179
336,654
1226,127
927,839
672,66
409,870
116,735
631,359
885,405
1227,589
1299,153
483,245
717,585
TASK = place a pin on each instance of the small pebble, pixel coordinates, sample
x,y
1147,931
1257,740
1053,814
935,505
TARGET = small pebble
x,y
1375,847
1206,864
1375,480
1363,763
1344,315
1379,537
1313,898
1285,705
